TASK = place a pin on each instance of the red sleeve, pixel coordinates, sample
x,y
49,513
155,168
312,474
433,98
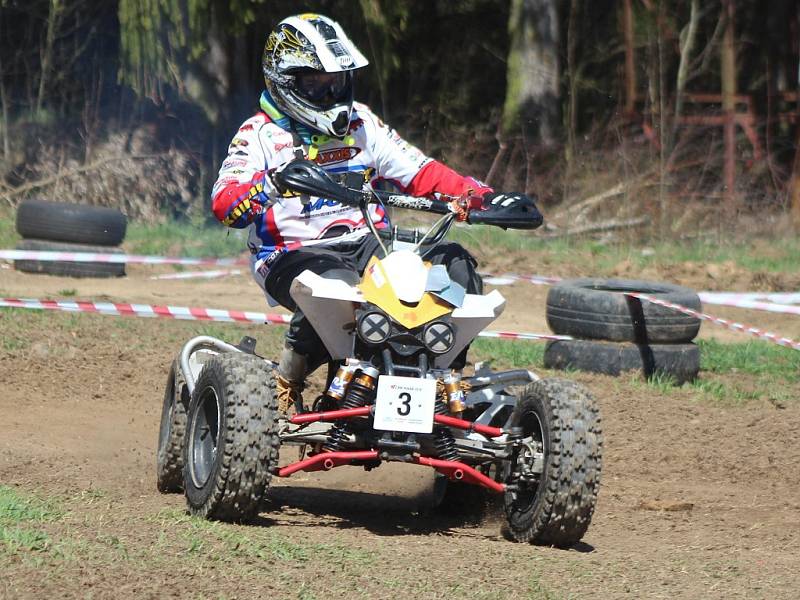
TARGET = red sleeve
x,y
436,177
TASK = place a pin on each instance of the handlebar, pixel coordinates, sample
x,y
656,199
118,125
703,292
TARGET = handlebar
x,y
307,178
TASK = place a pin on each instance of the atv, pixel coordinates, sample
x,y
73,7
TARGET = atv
x,y
390,394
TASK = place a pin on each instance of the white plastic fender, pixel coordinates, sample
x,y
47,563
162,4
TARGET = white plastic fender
x,y
474,316
328,306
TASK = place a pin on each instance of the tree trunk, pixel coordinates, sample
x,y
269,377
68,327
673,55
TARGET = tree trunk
x,y
630,66
728,70
53,17
532,91
794,187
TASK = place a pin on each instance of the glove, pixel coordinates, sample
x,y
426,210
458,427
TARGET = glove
x,y
466,203
247,206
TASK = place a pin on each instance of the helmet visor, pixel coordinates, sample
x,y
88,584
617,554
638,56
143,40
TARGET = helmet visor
x,y
321,88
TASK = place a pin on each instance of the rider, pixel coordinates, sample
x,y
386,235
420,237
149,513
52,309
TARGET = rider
x,y
308,111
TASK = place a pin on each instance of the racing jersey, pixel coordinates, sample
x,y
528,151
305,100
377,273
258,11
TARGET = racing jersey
x,y
244,194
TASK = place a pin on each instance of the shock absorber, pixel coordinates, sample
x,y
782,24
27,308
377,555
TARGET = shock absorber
x,y
359,393
443,439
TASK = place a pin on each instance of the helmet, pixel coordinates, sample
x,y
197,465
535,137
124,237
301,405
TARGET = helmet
x,y
308,68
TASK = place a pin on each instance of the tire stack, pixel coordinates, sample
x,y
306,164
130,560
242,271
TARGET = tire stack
x,y
62,227
615,333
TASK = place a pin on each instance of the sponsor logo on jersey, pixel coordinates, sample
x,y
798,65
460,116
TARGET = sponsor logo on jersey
x,y
234,162
318,204
246,127
237,141
336,155
355,125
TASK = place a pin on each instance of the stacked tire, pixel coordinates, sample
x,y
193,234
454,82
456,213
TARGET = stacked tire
x,y
615,333
63,227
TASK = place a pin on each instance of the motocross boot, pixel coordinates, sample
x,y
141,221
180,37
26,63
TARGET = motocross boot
x,y
291,372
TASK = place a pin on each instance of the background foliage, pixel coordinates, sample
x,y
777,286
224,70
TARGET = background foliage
x,y
133,102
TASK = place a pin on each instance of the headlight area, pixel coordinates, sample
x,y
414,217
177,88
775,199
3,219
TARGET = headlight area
x,y
438,337
375,328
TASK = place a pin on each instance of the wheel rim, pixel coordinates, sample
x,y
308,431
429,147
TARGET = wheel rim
x,y
532,427
204,437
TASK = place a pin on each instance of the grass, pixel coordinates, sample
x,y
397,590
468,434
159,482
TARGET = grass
x,y
517,354
18,512
202,538
182,239
734,374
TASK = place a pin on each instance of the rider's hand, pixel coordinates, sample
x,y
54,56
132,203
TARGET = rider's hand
x,y
247,207
463,205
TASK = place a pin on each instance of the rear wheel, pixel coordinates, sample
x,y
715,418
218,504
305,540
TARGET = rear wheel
x,y
169,458
555,474
231,438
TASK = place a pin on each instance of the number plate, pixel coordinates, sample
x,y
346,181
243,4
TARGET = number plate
x,y
405,404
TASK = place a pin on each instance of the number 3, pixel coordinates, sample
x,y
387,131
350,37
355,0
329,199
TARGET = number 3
x,y
406,408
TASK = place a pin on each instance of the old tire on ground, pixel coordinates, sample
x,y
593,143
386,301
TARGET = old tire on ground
x,y
75,223
65,268
598,309
169,457
681,362
231,442
559,418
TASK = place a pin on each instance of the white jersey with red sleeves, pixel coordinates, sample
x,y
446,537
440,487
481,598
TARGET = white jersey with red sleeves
x,y
372,148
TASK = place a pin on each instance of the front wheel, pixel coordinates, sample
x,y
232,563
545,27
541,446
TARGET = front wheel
x,y
231,438
555,473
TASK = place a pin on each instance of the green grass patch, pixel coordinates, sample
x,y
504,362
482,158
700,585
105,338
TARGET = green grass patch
x,y
184,239
203,537
8,229
18,511
515,354
754,358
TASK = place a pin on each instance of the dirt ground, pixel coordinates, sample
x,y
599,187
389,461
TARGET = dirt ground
x,y
698,499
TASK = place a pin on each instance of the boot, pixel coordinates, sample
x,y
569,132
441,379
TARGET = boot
x,y
291,373
289,396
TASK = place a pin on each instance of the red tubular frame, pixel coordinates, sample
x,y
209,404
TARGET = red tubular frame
x,y
468,425
325,461
461,472
331,415
365,411
453,469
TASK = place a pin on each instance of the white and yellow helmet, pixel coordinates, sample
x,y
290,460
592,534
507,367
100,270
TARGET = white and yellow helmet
x,y
308,66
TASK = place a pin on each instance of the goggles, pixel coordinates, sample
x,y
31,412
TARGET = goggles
x,y
320,87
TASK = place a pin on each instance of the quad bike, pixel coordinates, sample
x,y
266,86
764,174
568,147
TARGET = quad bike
x,y
391,394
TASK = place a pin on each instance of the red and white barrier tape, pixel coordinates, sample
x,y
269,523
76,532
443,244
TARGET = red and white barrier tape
x,y
782,341
146,310
49,256
509,278
775,297
748,302
202,314
198,274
